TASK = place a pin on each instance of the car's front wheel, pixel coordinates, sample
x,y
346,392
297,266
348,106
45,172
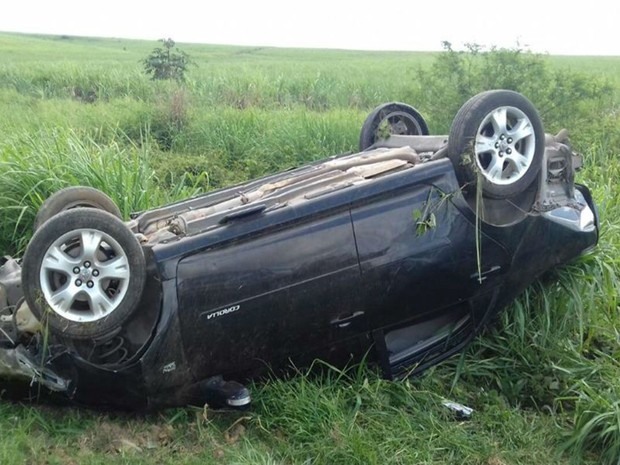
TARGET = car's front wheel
x,y
83,273
497,143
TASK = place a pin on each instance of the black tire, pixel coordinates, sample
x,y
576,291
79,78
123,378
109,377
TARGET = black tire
x,y
479,147
74,197
391,118
112,273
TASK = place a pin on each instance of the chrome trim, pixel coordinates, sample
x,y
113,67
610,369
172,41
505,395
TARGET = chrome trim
x,y
239,402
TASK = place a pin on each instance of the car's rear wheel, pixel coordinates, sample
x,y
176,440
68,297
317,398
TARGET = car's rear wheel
x,y
74,197
83,273
497,139
391,118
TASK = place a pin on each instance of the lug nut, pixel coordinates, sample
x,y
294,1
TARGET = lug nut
x,y
87,264
76,270
501,154
78,282
90,284
508,151
95,273
510,140
502,137
496,145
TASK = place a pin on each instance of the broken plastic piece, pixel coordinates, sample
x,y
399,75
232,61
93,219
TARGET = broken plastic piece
x,y
462,411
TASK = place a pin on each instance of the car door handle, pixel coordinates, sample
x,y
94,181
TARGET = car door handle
x,y
343,322
484,274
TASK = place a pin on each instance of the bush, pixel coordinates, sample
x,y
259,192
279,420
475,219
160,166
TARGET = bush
x,y
563,98
166,63
170,117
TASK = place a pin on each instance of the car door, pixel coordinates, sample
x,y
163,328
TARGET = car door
x,y
418,252
265,298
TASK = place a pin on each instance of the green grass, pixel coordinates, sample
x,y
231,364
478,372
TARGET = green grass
x,y
545,382
352,418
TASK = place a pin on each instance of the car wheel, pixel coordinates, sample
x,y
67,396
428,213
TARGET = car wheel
x,y
498,138
83,273
391,118
74,197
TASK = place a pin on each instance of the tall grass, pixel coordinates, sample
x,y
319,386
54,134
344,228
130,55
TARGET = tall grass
x,y
33,166
65,80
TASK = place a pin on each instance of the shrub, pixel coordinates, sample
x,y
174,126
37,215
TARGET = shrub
x,y
563,98
166,63
170,117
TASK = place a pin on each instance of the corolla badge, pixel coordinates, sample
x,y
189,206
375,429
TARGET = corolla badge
x,y
222,312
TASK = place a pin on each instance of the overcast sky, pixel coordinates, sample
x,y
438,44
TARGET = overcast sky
x,y
579,28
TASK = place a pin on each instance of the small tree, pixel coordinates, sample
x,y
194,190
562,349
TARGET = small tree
x,y
166,63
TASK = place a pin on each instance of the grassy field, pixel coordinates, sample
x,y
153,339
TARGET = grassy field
x,y
545,383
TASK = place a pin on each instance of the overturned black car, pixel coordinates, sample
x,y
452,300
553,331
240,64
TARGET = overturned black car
x,y
400,253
